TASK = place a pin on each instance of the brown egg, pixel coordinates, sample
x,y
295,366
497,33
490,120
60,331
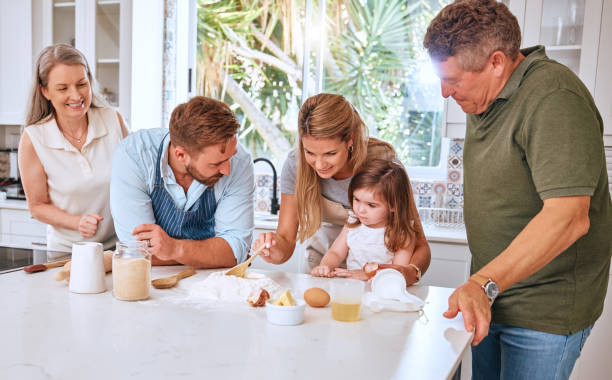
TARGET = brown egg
x,y
316,297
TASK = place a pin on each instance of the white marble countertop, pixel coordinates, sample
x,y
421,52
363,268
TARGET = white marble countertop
x,y
14,204
50,333
17,241
445,235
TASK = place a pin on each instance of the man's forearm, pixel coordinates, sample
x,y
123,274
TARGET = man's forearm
x,y
210,253
550,232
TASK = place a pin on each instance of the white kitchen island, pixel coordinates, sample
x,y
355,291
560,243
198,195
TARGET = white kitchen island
x,y
50,333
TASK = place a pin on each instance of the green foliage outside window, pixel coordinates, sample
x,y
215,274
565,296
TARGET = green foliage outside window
x,y
250,55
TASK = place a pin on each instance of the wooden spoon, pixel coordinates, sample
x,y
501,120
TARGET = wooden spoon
x,y
240,269
42,267
168,282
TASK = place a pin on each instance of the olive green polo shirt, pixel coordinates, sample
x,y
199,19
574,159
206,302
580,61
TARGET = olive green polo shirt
x,y
540,138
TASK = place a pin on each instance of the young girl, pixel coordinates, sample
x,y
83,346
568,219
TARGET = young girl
x,y
385,228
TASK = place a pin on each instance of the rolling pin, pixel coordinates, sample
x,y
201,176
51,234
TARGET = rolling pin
x,y
64,274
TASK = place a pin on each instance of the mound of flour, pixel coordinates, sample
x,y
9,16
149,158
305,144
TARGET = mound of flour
x,y
219,287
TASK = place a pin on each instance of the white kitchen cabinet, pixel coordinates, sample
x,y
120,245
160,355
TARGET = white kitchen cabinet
x,y
570,30
450,265
15,59
577,33
101,29
19,229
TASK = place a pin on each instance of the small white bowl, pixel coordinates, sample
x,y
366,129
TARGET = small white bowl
x,y
286,315
389,284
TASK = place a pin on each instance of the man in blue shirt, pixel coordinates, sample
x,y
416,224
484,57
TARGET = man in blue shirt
x,y
188,191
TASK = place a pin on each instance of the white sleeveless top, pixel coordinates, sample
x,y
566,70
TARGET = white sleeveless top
x,y
79,182
366,245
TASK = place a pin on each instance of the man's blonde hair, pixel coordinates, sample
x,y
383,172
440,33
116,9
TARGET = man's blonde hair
x,y
202,122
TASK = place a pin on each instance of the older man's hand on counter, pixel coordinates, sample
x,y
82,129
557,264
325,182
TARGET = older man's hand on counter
x,y
471,301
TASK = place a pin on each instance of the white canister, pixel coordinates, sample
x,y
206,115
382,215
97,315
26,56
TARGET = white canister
x,y
87,268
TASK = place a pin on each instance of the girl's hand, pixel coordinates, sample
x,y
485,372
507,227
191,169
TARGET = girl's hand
x,y
357,274
322,271
88,225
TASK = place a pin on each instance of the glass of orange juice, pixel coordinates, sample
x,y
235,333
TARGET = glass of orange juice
x,y
346,299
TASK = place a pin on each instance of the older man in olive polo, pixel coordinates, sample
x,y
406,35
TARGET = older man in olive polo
x,y
537,209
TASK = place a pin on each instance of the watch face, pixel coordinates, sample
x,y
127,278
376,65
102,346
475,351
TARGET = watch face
x,y
492,290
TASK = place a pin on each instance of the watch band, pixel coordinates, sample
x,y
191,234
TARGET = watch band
x,y
489,286
479,279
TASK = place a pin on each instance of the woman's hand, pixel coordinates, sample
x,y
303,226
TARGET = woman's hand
x,y
322,271
269,254
357,274
88,225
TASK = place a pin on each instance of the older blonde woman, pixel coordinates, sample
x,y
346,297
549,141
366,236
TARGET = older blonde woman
x,y
333,145
65,151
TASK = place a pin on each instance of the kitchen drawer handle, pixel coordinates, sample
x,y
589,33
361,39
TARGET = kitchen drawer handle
x,y
39,243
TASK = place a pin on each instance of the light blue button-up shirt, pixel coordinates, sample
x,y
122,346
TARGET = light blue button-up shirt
x,y
133,177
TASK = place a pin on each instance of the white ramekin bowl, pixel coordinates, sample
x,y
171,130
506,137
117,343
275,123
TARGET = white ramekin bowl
x,y
286,315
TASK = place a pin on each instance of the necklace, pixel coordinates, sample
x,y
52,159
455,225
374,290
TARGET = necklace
x,y
78,139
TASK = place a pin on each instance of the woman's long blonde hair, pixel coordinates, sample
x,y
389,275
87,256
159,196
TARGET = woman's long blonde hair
x,y
329,116
39,108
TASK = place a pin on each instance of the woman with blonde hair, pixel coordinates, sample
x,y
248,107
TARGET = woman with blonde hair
x,y
65,150
333,145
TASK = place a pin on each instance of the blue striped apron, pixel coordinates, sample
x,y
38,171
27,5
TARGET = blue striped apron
x,y
196,224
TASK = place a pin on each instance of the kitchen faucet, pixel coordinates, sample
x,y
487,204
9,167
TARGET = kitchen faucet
x,y
274,206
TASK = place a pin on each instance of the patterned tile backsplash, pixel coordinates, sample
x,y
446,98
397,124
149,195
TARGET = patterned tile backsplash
x,y
427,194
443,194
263,192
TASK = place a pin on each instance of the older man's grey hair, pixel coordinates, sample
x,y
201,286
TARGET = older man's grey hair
x,y
471,30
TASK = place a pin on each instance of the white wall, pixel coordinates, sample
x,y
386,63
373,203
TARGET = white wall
x,y
15,59
147,60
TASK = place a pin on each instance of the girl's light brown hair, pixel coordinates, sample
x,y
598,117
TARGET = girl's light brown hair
x,y
39,108
328,116
389,179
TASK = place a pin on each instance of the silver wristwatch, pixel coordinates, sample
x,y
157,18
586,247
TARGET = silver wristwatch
x,y
489,286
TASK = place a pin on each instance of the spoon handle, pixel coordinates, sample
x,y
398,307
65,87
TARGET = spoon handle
x,y
186,273
255,254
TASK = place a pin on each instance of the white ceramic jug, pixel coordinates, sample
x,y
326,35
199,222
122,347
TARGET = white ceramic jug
x,y
87,268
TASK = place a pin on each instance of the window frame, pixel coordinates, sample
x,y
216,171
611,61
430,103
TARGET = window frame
x,y
189,47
